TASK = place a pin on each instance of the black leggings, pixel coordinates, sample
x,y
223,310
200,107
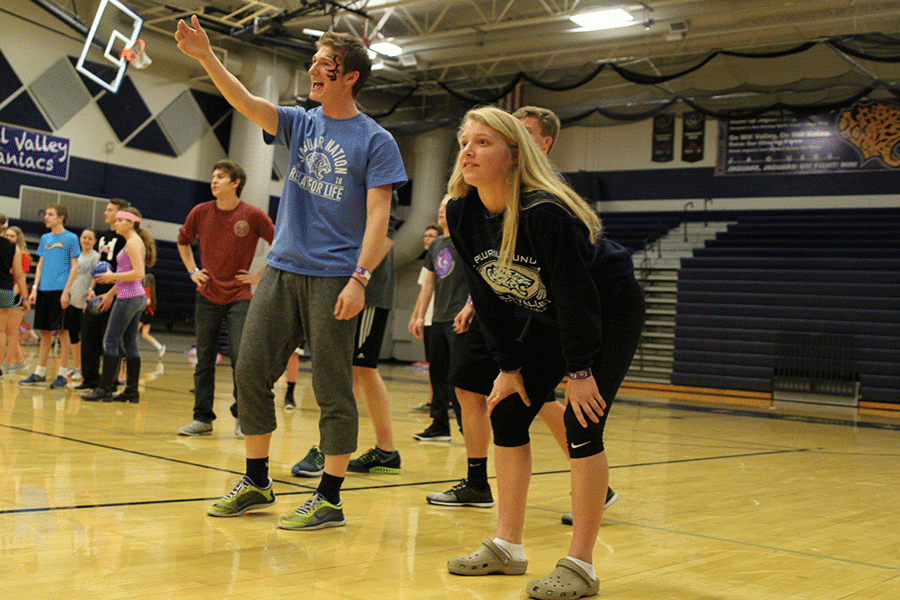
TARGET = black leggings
x,y
544,366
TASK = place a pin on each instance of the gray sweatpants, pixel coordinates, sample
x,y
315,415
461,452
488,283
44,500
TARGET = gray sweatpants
x,y
286,310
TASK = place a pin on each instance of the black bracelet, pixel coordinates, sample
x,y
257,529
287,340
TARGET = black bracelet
x,y
516,370
582,374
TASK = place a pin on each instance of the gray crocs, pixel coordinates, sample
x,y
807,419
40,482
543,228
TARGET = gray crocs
x,y
567,582
489,558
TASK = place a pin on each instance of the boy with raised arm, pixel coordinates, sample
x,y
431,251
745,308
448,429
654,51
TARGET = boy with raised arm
x,y
330,233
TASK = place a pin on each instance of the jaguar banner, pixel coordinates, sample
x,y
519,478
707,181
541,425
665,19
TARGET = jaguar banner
x,y
863,137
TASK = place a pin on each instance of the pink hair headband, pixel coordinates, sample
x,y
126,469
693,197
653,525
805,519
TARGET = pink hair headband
x,y
128,216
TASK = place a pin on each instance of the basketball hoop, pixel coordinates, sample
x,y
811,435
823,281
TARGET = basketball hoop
x,y
135,55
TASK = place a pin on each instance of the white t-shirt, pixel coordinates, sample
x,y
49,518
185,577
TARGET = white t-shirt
x,y
430,310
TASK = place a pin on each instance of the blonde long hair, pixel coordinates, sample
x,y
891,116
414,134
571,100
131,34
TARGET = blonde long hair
x,y
531,172
20,237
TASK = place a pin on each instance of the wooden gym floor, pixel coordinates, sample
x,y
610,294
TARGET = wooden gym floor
x,y
106,501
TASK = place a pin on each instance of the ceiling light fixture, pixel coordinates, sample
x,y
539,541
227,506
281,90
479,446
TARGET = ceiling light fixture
x,y
387,48
603,19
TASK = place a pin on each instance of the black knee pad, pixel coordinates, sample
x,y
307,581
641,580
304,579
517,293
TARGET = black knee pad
x,y
510,421
584,441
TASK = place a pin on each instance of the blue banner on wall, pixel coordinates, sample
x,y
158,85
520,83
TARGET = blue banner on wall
x,y
33,152
864,137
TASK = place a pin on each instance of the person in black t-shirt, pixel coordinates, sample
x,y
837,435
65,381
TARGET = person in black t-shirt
x,y
93,326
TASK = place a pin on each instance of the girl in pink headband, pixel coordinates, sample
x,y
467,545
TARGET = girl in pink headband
x,y
139,252
128,215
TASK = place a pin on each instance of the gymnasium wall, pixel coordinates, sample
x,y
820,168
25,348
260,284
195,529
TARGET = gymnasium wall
x,y
165,180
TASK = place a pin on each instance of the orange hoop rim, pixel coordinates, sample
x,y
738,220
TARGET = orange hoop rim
x,y
133,51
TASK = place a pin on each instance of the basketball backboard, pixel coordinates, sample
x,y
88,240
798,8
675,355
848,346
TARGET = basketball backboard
x,y
114,29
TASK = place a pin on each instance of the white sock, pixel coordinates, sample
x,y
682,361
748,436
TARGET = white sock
x,y
158,345
516,551
588,567
40,371
64,371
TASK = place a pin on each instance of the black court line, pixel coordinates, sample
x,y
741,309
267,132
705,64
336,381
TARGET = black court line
x,y
304,489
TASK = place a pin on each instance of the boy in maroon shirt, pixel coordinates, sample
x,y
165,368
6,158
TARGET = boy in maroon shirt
x,y
228,230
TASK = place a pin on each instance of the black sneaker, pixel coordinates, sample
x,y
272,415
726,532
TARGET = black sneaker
x,y
433,434
376,461
611,497
312,465
462,494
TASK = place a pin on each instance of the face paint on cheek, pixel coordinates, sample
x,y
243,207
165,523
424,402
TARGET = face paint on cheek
x,y
333,73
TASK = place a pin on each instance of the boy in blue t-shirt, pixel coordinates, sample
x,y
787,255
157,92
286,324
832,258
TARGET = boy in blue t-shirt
x,y
56,270
330,233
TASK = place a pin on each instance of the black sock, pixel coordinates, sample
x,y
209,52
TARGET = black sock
x,y
477,475
290,390
258,471
330,488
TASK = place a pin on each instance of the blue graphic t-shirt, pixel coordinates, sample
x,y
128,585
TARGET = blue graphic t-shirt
x,y
57,252
322,213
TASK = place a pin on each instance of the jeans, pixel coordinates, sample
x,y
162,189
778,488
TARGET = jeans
x,y
208,317
124,320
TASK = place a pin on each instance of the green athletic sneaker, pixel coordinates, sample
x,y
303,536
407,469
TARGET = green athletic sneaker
x,y
376,461
312,465
316,513
245,496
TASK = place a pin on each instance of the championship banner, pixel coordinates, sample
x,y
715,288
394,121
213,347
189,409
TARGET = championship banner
x,y
693,136
864,137
34,153
663,138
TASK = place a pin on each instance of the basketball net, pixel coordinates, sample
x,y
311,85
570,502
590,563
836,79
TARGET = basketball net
x,y
135,55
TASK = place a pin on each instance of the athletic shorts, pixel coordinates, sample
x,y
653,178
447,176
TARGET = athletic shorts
x,y
73,323
472,368
7,298
48,312
370,327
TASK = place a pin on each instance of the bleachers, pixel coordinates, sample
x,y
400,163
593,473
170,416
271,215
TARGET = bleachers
x,y
781,293
175,292
636,230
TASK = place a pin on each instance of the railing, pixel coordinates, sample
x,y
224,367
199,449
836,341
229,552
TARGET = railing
x,y
684,220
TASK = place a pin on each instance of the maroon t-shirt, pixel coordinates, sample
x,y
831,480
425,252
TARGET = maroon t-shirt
x,y
228,241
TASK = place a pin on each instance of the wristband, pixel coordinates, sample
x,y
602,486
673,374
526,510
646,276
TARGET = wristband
x,y
359,282
363,272
192,271
469,300
516,370
582,374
